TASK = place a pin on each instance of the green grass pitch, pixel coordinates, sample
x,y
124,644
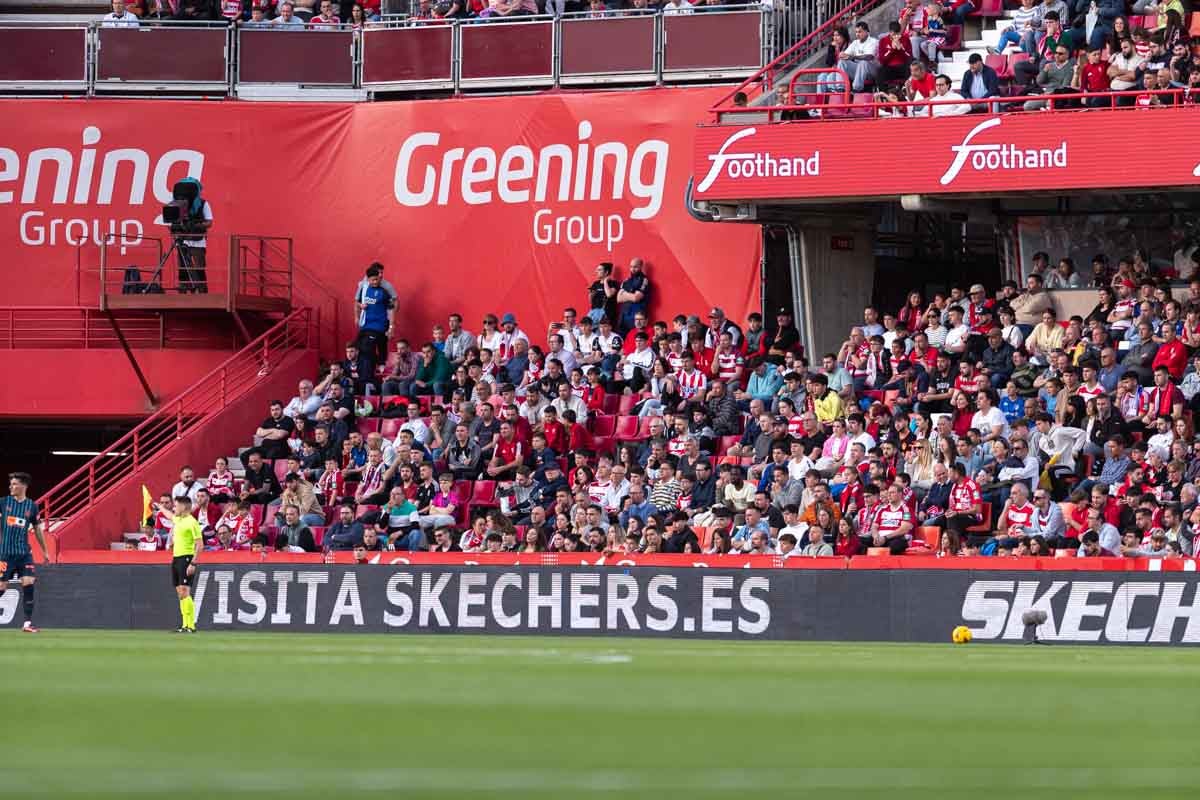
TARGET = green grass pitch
x,y
147,714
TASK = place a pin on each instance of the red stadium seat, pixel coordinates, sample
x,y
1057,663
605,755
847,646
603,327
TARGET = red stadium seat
x,y
627,429
644,426
1013,60
390,427
988,8
999,63
604,445
280,469
954,39
862,105
612,404
484,494
603,424
366,425
985,525
318,532
426,402
626,403
728,442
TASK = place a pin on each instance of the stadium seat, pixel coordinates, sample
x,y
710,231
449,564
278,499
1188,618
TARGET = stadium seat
x,y
318,532
604,445
1065,552
367,425
484,494
728,442
954,39
985,524
426,402
862,105
1013,60
931,535
390,427
626,429
704,535
280,469
989,8
604,424
644,426
999,63
612,404
257,513
625,404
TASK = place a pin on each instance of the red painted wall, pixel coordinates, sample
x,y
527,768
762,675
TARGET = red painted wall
x,y
96,383
118,511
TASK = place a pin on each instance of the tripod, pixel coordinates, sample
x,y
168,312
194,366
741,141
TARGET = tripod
x,y
181,248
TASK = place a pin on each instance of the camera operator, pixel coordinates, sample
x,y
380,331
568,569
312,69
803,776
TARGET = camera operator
x,y
193,243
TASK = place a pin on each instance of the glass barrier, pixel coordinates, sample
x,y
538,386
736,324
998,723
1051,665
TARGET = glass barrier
x,y
517,53
185,55
44,57
307,57
415,57
608,49
717,44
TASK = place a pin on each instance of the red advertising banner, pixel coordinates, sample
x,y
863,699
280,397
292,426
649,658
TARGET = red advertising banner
x,y
480,204
945,155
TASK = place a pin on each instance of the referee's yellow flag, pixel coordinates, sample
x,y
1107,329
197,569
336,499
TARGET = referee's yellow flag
x,y
147,504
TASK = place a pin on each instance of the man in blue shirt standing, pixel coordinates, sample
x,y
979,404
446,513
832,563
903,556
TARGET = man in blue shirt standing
x,y
634,295
375,306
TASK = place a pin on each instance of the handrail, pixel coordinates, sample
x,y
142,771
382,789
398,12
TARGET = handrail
x,y
1065,103
764,79
230,380
90,328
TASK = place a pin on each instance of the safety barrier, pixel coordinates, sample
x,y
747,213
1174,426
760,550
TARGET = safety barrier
x,y
395,55
176,419
717,602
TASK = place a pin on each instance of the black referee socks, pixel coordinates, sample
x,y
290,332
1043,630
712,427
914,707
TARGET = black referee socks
x,y
27,601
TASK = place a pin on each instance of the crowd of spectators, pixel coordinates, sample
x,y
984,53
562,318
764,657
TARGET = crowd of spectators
x,y
327,14
1079,52
967,422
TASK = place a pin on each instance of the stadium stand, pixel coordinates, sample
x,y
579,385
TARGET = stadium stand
x,y
970,422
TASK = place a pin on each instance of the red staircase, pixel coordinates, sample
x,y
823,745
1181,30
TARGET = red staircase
x,y
217,414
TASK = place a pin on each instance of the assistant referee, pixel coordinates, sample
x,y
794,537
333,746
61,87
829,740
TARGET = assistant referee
x,y
187,543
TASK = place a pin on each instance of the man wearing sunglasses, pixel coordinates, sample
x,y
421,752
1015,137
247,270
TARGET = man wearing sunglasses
x,y
1055,77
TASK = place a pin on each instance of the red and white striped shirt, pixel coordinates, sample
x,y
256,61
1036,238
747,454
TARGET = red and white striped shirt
x,y
1090,393
221,483
964,496
1020,516
691,383
729,364
891,518
675,361
231,9
243,527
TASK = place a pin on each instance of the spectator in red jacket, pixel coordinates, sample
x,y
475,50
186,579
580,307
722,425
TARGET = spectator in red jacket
x,y
1171,354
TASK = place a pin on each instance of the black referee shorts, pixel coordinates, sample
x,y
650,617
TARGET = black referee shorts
x,y
179,576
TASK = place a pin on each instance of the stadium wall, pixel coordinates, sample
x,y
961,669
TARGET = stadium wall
x,y
905,605
474,204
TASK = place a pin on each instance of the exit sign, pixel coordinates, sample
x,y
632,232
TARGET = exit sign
x,y
841,242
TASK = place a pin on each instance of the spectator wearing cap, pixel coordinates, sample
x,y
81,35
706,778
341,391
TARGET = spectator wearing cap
x,y
718,324
510,333
997,359
785,338
634,294
978,82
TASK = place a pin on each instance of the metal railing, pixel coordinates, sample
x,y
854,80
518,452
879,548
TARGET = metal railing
x,y
762,84
76,328
258,268
239,374
210,59
846,107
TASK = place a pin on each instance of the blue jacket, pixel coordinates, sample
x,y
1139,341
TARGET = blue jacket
x,y
990,80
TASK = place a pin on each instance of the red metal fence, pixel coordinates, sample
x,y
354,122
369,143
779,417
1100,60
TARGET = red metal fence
x,y
177,418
